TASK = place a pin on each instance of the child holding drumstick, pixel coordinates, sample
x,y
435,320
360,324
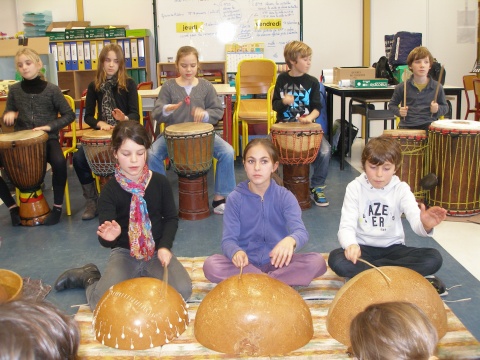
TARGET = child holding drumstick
x,y
186,99
422,107
115,95
138,221
35,104
262,227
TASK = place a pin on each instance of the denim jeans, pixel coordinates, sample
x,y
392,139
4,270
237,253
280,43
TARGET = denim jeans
x,y
222,151
122,266
320,164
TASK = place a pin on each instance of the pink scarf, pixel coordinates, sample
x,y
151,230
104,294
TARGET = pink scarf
x,y
142,245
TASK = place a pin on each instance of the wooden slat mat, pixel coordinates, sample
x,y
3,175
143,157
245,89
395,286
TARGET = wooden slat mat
x,y
458,342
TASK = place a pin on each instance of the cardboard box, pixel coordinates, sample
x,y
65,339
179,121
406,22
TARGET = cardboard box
x,y
60,34
9,47
95,32
116,32
371,83
352,73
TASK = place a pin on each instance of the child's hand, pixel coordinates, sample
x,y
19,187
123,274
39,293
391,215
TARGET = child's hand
x,y
109,230
282,253
198,114
102,125
353,252
431,217
306,119
164,255
9,117
45,128
118,114
403,111
433,107
240,259
173,107
288,99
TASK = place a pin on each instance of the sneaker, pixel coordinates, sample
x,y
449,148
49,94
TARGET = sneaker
x,y
220,209
318,196
437,284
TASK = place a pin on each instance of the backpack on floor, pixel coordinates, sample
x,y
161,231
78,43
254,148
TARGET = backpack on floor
x,y
336,144
434,72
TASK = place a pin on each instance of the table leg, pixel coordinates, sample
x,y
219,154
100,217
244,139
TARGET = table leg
x,y
342,133
227,120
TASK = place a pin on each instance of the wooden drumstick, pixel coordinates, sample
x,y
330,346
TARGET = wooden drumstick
x,y
241,271
376,268
440,76
404,88
165,280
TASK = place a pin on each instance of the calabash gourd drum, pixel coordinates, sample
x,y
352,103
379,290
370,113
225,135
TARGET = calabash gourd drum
x,y
11,285
254,315
414,158
371,287
24,157
297,145
139,314
97,147
454,153
190,149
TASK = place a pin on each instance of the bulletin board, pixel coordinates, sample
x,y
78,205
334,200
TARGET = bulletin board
x,y
209,25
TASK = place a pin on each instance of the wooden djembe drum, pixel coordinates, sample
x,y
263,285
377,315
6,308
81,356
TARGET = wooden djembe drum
x,y
253,315
414,158
454,157
190,149
297,146
372,287
24,157
98,151
139,314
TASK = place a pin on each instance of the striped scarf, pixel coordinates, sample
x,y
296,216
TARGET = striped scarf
x,y
142,245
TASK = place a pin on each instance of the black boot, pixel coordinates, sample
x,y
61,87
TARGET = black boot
x,y
14,214
78,277
54,216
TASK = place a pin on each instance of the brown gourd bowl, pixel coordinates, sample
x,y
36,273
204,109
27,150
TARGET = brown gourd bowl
x,y
11,285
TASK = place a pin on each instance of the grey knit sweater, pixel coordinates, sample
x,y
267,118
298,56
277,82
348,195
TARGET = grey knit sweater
x,y
39,109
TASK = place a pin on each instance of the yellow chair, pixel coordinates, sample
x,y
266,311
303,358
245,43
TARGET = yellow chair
x,y
255,77
70,150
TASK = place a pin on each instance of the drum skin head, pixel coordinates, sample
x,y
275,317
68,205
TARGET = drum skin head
x,y
93,134
253,315
139,314
22,138
371,287
188,128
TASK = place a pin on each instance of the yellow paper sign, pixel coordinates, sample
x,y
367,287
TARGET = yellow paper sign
x,y
188,27
268,24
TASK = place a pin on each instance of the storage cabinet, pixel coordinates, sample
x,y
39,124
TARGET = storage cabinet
x,y
77,61
214,71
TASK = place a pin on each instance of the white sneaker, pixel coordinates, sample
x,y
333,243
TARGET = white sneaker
x,y
220,209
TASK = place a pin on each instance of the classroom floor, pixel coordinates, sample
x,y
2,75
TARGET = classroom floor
x,y
44,252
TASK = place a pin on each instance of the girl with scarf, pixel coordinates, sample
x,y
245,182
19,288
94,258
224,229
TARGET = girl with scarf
x,y
138,221
115,97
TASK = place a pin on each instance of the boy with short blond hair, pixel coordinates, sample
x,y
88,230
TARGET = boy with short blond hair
x,y
421,108
297,98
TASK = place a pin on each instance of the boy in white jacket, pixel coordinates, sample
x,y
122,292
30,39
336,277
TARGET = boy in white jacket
x,y
371,224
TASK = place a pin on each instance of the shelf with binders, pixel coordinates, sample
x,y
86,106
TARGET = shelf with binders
x,y
77,60
213,71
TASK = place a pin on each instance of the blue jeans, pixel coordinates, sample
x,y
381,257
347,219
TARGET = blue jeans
x,y
122,266
222,151
320,164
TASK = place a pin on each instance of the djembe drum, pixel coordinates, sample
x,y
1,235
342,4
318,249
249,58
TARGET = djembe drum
x,y
297,146
253,315
139,314
100,157
24,157
190,149
385,284
414,158
454,154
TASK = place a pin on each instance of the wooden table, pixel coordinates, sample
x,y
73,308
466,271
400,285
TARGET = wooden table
x,y
387,92
222,89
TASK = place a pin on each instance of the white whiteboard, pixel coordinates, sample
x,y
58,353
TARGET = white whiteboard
x,y
234,18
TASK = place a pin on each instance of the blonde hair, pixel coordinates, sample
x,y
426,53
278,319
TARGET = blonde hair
x,y
295,49
101,75
420,52
31,55
393,331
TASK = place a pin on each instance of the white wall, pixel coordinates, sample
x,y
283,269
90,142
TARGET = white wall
x,y
8,20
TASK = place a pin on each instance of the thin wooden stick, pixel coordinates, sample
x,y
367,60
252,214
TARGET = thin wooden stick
x,y
440,76
241,271
405,88
165,280
376,268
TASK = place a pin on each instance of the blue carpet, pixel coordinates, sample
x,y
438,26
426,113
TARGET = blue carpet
x,y
44,252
